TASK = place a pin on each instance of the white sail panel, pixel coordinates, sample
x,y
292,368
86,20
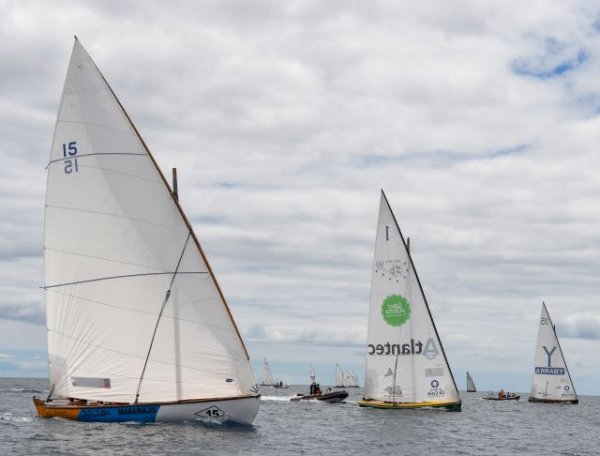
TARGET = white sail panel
x,y
470,384
267,377
551,378
339,376
352,379
405,359
115,242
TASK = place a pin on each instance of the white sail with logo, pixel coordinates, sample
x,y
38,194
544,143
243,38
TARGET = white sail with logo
x,y
406,364
267,377
551,378
134,312
339,377
470,384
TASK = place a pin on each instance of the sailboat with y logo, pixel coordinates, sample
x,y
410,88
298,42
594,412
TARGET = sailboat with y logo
x,y
551,378
406,365
138,327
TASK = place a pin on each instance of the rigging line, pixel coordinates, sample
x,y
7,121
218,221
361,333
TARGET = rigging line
x,y
109,214
125,276
143,312
167,294
92,154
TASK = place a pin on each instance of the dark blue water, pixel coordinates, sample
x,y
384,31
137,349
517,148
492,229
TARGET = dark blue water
x,y
313,428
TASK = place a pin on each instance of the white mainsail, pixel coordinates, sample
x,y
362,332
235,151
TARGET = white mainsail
x,y
406,363
267,377
551,378
134,312
470,384
312,375
339,377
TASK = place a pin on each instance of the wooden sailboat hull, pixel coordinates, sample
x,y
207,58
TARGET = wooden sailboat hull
x,y
240,410
448,405
554,401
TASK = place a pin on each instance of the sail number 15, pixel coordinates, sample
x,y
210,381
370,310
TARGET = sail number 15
x,y
70,153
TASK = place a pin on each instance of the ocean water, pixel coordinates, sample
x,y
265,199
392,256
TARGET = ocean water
x,y
313,428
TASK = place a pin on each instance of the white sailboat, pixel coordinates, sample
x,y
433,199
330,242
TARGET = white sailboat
x,y
267,377
339,377
551,378
138,328
470,384
406,364
312,375
351,380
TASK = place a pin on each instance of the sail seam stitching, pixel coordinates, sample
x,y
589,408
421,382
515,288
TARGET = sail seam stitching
x,y
124,276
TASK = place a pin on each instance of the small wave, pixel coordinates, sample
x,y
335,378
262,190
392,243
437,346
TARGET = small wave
x,y
15,419
23,390
276,398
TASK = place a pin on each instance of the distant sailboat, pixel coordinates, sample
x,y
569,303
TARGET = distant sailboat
x,y
339,377
406,364
267,377
351,379
470,384
138,327
312,375
551,378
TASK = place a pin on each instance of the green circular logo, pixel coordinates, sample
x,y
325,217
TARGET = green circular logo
x,y
395,310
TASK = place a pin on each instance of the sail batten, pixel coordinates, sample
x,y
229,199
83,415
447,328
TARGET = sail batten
x,y
406,363
113,233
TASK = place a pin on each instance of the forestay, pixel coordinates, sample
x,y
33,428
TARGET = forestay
x,y
405,359
116,242
551,378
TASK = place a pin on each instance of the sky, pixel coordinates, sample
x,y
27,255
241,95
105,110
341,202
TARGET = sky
x,y
479,119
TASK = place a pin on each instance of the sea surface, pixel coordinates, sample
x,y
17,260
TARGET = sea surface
x,y
313,428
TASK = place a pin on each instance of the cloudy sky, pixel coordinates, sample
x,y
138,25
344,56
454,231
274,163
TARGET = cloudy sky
x,y
480,120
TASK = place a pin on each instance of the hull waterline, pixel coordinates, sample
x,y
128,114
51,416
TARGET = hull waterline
x,y
239,410
553,401
447,405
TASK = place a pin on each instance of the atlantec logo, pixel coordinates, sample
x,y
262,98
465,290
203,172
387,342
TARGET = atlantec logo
x,y
395,310
415,347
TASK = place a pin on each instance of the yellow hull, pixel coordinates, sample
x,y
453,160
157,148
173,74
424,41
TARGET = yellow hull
x,y
450,405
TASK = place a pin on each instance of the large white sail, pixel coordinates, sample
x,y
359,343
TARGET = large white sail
x,y
267,377
470,384
128,289
406,363
339,377
551,378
